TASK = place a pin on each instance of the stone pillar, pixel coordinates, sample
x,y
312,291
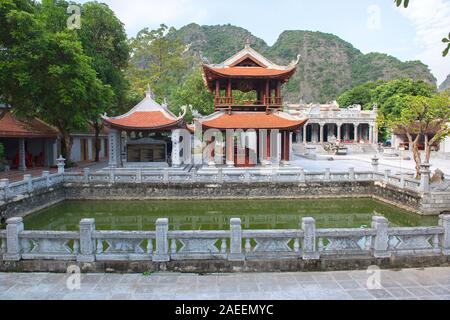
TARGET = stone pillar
x,y
236,240
114,148
27,178
355,137
321,138
444,221
309,239
86,173
46,174
176,159
61,163
339,126
327,174
13,248
87,242
286,148
371,133
351,174
22,155
425,177
304,133
162,241
230,148
381,240
375,163
4,186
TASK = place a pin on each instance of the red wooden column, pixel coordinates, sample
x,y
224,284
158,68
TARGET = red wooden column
x,y
217,100
229,92
285,146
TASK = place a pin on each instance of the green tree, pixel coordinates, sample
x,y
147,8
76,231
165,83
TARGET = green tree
x,y
427,118
193,94
103,38
2,156
158,59
361,95
44,72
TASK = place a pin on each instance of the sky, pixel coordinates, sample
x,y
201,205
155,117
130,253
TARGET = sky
x,y
414,33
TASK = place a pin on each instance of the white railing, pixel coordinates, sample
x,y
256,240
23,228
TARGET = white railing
x,y
246,176
235,244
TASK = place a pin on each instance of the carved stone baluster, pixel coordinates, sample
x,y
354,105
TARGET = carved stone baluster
x,y
76,246
248,246
320,245
296,245
99,246
150,246
368,243
173,246
223,246
436,241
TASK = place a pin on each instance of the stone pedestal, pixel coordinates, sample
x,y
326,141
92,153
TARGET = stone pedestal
x,y
381,240
87,242
236,240
14,226
309,239
425,177
162,241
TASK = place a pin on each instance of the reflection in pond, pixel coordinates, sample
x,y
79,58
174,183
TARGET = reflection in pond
x,y
215,214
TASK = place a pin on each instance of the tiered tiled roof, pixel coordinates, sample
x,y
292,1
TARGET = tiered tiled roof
x,y
12,127
251,120
147,115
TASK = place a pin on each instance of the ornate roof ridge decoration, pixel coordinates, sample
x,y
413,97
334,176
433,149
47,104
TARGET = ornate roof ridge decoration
x,y
249,52
147,114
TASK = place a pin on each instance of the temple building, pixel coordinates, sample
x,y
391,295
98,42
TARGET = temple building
x,y
147,135
28,143
327,122
247,90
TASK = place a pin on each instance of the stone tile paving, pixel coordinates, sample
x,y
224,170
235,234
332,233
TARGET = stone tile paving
x,y
429,283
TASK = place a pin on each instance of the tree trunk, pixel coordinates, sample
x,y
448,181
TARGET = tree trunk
x,y
427,149
66,146
97,128
414,145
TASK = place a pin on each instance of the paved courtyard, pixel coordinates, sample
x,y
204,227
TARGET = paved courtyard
x,y
430,283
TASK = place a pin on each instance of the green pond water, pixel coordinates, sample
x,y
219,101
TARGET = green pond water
x,y
216,214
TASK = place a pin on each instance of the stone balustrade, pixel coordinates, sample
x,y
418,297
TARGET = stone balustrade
x,y
235,244
165,176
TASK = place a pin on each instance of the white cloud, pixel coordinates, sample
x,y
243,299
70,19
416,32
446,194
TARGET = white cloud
x,y
138,14
431,20
373,22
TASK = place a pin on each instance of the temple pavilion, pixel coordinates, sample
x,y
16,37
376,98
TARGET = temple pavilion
x,y
250,75
146,136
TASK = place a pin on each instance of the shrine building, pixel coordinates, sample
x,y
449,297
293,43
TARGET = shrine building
x,y
247,90
146,136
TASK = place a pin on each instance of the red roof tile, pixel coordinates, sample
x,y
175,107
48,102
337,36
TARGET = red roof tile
x,y
11,127
144,120
252,120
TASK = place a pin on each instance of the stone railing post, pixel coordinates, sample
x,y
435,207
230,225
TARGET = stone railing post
x,y
27,179
351,174
162,241
402,180
236,240
220,176
309,239
166,175
387,172
327,174
4,184
425,177
444,221
14,226
193,175
86,173
87,242
60,163
139,175
381,240
46,174
375,163
112,175
302,177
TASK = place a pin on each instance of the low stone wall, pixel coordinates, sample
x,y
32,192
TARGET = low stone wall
x,y
30,203
213,266
425,204
216,191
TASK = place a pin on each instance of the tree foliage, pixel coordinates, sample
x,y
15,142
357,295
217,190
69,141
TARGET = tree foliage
x,y
425,118
157,58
